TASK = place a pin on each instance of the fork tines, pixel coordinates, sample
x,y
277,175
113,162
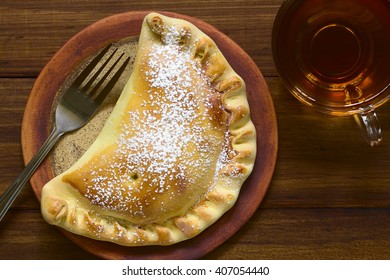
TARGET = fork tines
x,y
89,88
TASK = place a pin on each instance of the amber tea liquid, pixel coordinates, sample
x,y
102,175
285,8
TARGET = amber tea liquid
x,y
334,53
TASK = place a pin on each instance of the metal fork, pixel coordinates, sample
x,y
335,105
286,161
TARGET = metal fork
x,y
75,108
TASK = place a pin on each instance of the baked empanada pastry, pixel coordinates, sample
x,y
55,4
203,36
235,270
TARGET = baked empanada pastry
x,y
173,154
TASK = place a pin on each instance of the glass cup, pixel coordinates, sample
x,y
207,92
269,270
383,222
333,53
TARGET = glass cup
x,y
334,55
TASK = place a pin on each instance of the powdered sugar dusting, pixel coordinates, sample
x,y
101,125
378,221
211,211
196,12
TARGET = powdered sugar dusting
x,y
164,146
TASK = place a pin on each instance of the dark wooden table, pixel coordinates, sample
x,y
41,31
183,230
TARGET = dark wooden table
x,y
330,193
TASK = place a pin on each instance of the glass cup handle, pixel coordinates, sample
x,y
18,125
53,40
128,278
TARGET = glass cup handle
x,y
369,125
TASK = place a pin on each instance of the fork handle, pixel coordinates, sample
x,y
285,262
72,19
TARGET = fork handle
x,y
16,187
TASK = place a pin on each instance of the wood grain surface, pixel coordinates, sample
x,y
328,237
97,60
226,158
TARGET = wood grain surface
x,y
330,193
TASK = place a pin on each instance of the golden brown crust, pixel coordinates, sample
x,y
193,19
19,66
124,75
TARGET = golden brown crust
x,y
138,184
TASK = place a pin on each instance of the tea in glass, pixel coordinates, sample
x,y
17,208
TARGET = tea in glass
x,y
335,56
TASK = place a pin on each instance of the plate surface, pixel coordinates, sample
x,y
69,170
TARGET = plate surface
x,y
37,120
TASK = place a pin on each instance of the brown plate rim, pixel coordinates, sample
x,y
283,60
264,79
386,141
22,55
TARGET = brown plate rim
x,y
37,119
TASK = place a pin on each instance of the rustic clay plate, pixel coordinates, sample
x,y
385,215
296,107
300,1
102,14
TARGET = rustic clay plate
x,y
38,118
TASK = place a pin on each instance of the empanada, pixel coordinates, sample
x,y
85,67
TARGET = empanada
x,y
173,154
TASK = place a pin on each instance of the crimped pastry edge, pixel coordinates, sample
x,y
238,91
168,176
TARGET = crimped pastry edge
x,y
68,209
